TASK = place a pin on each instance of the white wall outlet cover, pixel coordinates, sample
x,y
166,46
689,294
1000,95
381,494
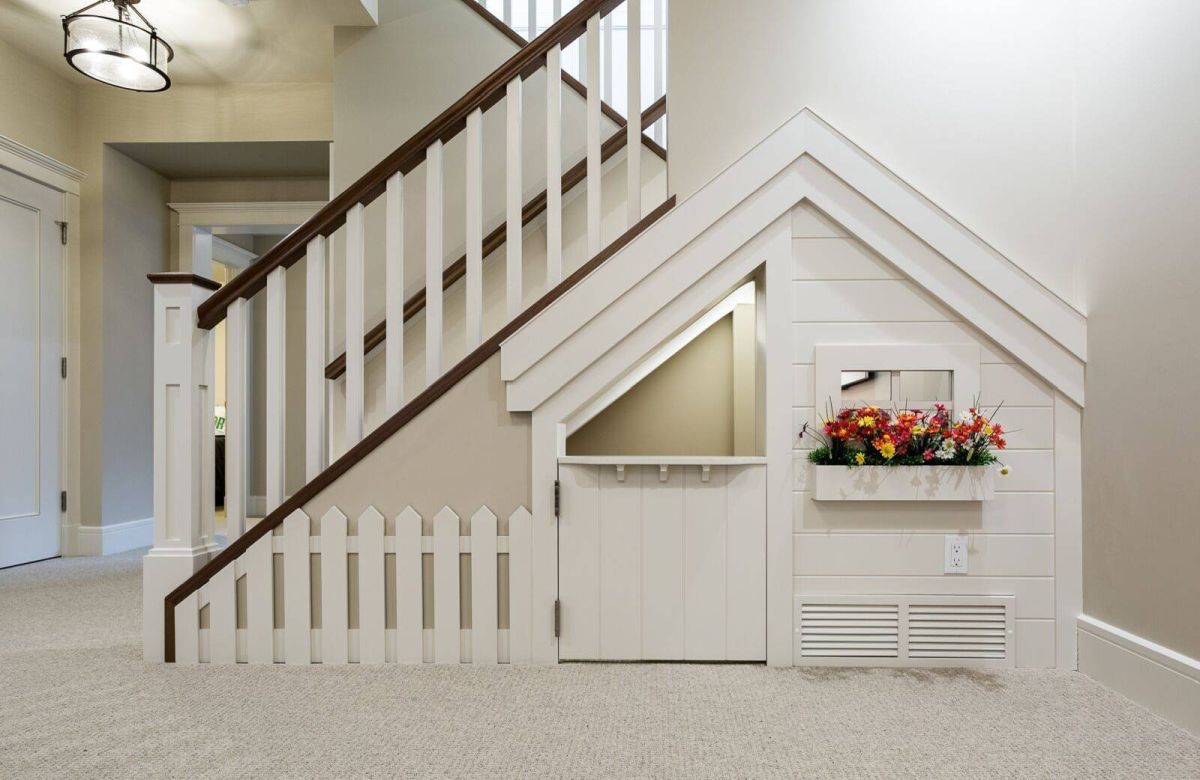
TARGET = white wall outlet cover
x,y
956,554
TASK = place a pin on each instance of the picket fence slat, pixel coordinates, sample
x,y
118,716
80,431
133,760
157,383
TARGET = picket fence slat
x,y
260,602
335,623
296,641
371,617
409,614
297,593
483,587
520,586
447,647
187,630
222,617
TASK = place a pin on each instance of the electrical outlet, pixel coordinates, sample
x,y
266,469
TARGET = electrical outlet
x,y
956,554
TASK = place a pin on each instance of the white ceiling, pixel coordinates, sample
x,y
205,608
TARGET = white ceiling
x,y
265,40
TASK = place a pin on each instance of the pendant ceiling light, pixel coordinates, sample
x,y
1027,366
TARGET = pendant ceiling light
x,y
112,42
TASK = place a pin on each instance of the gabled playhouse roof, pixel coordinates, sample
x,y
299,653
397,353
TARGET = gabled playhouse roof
x,y
805,159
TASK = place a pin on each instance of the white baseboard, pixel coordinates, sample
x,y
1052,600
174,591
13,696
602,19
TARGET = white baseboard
x,y
1160,679
115,538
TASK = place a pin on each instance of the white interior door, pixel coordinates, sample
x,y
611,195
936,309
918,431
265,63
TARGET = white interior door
x,y
662,565
30,350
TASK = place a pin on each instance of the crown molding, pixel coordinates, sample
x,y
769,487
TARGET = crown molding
x,y
279,212
32,164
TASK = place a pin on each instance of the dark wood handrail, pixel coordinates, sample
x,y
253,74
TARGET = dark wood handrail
x,y
403,160
495,239
387,429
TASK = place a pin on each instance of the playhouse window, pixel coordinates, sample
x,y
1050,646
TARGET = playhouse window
x,y
908,388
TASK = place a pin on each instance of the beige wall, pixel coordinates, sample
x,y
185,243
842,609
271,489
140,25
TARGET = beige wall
x,y
136,239
684,407
1063,133
1139,114
37,106
464,451
231,112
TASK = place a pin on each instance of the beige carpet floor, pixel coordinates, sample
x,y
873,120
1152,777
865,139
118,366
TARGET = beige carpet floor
x,y
77,701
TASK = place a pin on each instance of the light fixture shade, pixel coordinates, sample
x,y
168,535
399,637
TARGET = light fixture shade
x,y
110,41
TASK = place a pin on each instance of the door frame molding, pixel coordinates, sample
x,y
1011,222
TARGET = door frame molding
x,y
44,169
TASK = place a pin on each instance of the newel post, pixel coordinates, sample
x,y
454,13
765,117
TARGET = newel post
x,y
183,447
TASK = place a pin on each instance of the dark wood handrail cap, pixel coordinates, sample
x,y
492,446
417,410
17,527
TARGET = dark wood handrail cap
x,y
179,277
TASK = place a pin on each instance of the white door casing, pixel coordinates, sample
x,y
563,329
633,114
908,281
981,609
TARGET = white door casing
x,y
31,254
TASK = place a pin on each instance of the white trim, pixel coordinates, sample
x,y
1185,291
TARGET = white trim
x,y
807,159
1068,528
256,506
743,294
43,168
115,538
231,254
962,360
283,212
661,460
1164,681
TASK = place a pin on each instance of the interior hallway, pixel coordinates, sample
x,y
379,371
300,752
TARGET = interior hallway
x,y
77,701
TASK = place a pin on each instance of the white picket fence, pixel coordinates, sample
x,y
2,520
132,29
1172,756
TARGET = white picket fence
x,y
335,642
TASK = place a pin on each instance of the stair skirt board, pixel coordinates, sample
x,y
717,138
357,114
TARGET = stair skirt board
x,y
386,594
905,631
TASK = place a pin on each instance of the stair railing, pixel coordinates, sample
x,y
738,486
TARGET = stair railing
x,y
185,314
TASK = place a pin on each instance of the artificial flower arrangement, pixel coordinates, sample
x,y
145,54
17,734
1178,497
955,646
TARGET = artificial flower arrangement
x,y
871,436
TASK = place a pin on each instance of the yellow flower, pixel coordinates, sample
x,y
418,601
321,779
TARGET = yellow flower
x,y
867,421
887,450
1005,471
918,429
860,458
987,430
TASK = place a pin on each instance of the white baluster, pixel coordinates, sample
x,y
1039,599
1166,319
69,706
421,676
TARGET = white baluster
x,y
394,306
593,137
607,28
237,378
433,262
508,12
532,19
513,200
315,454
355,249
474,281
659,79
633,144
276,385
553,166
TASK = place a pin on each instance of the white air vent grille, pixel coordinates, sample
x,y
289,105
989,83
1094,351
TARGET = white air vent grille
x,y
850,630
957,631
871,630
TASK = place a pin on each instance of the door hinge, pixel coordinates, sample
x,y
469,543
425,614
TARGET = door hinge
x,y
64,368
62,229
557,618
62,501
557,497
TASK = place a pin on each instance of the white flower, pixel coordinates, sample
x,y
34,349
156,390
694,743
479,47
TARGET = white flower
x,y
946,451
966,417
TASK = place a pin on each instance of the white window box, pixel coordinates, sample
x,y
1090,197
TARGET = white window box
x,y
904,483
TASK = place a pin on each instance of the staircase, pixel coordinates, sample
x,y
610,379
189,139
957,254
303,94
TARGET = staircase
x,y
191,584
